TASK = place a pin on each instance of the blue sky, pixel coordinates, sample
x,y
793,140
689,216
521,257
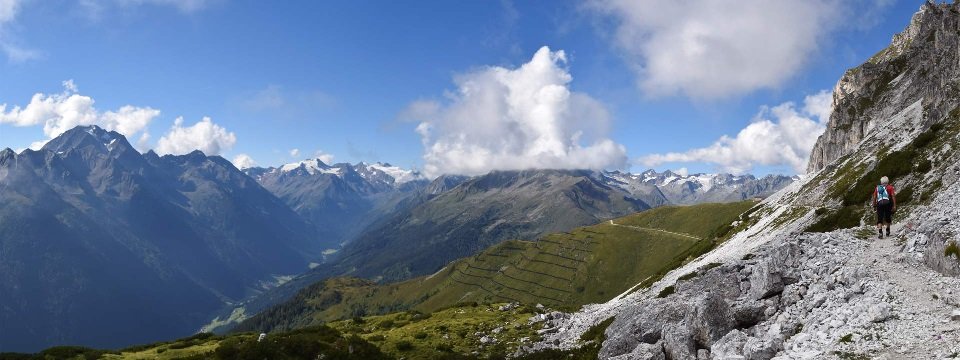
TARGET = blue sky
x,y
355,80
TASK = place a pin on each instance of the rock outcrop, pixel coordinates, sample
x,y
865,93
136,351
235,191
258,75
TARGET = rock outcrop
x,y
920,63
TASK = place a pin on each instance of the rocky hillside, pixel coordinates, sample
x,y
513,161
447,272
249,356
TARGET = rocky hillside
x,y
97,240
808,278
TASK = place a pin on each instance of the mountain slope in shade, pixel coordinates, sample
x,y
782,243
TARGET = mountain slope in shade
x,y
481,212
97,240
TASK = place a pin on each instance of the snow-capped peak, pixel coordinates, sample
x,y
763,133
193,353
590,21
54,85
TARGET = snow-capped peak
x,y
312,167
398,174
378,172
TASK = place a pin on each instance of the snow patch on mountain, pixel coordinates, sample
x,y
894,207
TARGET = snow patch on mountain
x,y
312,167
696,188
398,174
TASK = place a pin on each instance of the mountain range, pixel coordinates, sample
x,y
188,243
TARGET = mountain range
x,y
455,217
801,274
340,199
98,239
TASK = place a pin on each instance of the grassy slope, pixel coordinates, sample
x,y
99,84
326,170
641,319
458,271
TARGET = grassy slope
x,y
452,333
308,343
565,270
457,330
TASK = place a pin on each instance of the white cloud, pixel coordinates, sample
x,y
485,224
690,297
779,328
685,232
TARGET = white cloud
x,y
326,158
294,152
243,161
8,10
37,145
507,119
205,136
68,109
786,140
717,48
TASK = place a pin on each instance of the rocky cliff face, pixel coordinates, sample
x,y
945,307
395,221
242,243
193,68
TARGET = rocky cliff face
x,y
921,63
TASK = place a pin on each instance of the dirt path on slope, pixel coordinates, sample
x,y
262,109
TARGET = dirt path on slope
x,y
919,297
659,230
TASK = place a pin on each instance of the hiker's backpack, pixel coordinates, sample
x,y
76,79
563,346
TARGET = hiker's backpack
x,y
883,198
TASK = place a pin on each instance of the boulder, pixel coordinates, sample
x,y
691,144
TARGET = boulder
x,y
730,346
761,348
643,351
712,319
766,280
678,342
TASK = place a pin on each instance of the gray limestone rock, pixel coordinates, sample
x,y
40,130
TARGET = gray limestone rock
x,y
730,346
678,342
643,351
766,280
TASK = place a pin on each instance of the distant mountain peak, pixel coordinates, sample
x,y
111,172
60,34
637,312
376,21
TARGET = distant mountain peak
x,y
377,172
88,136
398,174
311,167
6,154
699,187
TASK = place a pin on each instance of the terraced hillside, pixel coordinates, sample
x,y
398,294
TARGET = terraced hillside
x,y
563,270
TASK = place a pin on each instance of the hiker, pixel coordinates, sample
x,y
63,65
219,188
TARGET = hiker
x,y
885,203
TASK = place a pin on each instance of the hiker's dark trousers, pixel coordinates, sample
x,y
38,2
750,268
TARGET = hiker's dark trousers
x,y
885,213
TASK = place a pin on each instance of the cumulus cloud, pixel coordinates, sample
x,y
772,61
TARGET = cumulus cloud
x,y
243,161
326,158
505,119
294,152
205,136
782,135
68,109
717,48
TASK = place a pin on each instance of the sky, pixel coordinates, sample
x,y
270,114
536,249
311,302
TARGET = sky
x,y
460,87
